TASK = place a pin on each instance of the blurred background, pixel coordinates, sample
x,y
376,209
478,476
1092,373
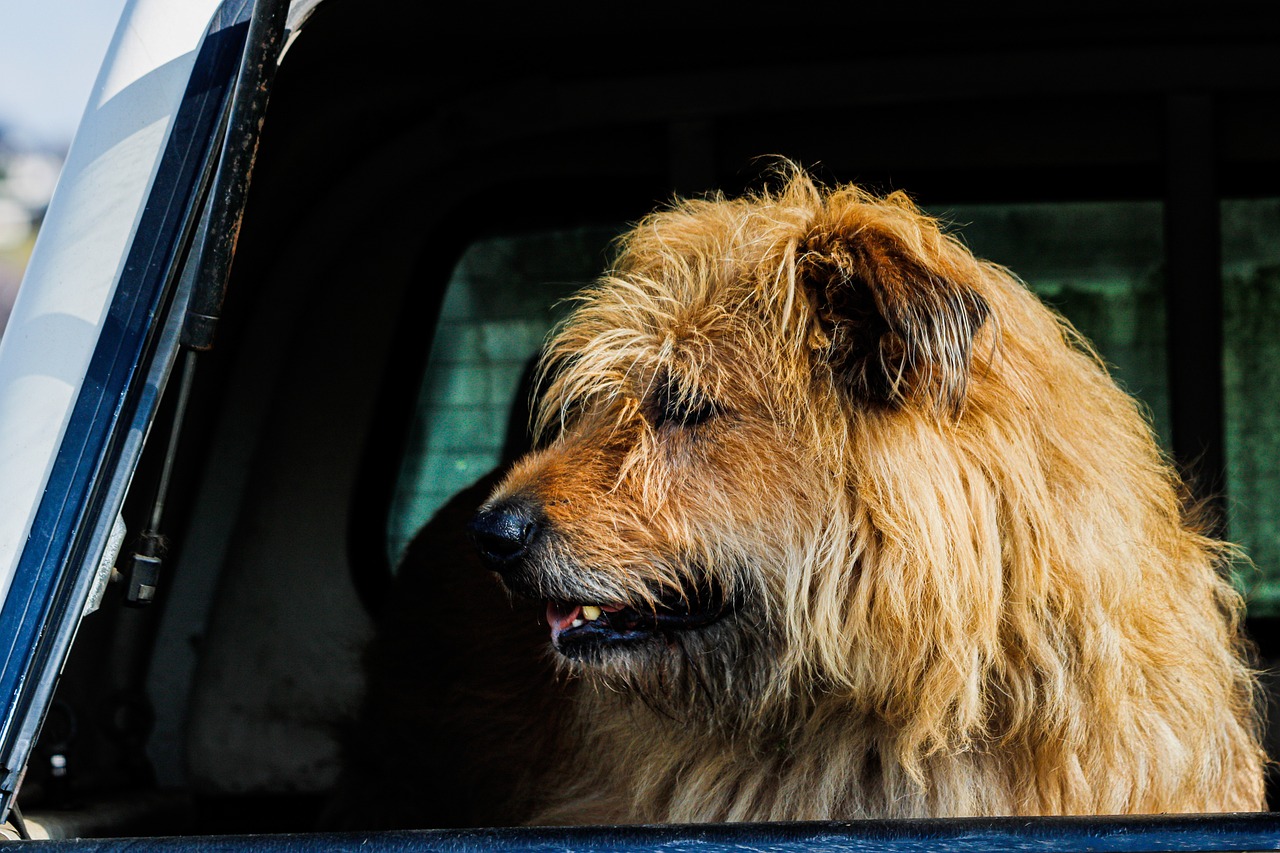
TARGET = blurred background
x,y
50,51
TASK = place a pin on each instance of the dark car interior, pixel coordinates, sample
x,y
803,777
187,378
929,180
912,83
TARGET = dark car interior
x,y
427,192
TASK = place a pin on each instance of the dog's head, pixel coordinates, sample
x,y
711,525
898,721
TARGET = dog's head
x,y
761,474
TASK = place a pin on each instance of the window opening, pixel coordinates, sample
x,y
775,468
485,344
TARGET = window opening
x,y
1099,263
503,297
1251,311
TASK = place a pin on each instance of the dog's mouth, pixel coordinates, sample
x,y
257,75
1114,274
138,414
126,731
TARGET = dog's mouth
x,y
579,628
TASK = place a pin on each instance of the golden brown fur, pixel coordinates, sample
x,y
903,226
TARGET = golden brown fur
x,y
959,576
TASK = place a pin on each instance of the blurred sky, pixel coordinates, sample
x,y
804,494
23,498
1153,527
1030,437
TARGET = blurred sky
x,y
50,51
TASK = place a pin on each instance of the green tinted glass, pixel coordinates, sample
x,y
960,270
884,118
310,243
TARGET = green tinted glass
x,y
501,300
1251,367
1097,262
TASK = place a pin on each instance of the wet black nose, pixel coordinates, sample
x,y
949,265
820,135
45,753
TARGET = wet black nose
x,y
504,532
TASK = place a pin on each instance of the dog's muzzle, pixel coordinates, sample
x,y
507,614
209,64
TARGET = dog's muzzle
x,y
504,533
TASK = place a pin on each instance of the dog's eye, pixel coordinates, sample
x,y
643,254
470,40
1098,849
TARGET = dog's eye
x,y
669,404
690,413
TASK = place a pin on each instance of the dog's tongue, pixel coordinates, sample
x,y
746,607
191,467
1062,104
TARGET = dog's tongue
x,y
561,616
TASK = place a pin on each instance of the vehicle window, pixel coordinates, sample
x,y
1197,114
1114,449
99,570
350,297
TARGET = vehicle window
x,y
1251,307
1100,263
503,296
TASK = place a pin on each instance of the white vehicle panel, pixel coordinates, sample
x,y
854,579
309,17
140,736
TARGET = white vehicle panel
x,y
76,263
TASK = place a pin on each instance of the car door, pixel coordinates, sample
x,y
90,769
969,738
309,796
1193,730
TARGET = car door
x,y
127,272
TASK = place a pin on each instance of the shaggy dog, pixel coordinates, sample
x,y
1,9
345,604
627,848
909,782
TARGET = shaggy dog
x,y
833,520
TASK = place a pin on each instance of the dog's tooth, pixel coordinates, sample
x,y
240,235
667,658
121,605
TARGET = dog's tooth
x,y
577,623
590,612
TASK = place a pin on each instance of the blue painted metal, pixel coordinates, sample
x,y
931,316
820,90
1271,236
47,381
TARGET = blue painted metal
x,y
115,405
967,835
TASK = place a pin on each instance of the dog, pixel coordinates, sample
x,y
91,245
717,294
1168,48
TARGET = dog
x,y
830,519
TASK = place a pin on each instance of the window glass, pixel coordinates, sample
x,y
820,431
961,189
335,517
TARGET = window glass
x,y
1098,263
1251,307
502,298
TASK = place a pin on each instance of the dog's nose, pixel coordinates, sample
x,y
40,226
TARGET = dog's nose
x,y
504,532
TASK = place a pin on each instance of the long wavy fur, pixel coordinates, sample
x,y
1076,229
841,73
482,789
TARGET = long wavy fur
x,y
969,580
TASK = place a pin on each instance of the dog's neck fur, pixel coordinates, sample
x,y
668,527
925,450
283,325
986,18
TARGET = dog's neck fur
x,y
834,763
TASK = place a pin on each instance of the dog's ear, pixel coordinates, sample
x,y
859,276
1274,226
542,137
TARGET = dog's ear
x,y
896,318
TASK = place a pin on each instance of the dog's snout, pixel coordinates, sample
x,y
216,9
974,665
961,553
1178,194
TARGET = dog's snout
x,y
504,532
